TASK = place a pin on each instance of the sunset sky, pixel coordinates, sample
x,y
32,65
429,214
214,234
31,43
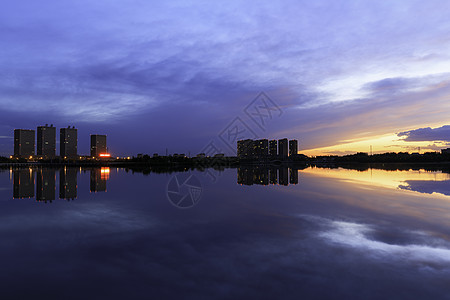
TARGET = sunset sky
x,y
344,75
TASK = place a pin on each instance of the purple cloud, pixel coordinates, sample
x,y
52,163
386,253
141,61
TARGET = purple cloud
x,y
427,134
185,70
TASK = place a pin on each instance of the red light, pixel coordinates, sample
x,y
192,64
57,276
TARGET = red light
x,y
105,155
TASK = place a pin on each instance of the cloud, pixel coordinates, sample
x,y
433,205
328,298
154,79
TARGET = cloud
x,y
337,123
427,134
357,236
427,187
327,65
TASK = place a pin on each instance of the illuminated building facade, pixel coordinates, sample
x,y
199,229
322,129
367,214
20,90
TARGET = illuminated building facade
x,y
245,148
98,145
258,149
68,142
24,141
264,149
46,141
273,148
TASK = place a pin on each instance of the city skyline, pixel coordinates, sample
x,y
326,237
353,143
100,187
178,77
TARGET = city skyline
x,y
346,75
41,143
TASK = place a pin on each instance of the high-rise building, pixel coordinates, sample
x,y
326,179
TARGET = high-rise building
x,y
261,148
68,142
293,147
273,148
98,145
24,140
283,148
245,148
46,141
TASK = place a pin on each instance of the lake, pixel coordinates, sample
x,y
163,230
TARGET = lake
x,y
246,233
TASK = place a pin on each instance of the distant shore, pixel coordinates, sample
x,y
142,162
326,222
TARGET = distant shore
x,y
358,161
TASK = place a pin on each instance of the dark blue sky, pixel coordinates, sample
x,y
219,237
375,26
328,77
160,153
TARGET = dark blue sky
x,y
153,75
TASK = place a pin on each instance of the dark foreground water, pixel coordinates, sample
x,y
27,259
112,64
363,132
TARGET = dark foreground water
x,y
336,234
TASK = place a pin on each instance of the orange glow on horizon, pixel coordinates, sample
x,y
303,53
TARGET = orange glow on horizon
x,y
378,144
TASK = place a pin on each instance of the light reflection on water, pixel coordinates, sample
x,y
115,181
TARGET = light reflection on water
x,y
379,177
315,232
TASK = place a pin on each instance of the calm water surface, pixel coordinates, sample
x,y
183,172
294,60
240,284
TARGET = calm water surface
x,y
315,233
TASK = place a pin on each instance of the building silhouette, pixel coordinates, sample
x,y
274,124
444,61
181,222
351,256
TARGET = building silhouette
x,y
68,142
245,149
46,141
261,148
45,185
293,147
24,142
68,183
273,148
264,149
98,145
23,183
283,148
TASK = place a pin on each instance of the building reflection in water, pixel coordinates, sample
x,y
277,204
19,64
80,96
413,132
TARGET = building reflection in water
x,y
263,175
23,183
99,178
45,185
68,183
41,183
293,176
283,177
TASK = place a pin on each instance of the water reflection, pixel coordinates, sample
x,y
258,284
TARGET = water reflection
x,y
42,183
427,187
264,175
44,180
45,185
98,179
418,180
68,183
23,183
320,236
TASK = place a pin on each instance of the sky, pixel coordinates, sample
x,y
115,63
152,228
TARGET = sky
x,y
339,76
